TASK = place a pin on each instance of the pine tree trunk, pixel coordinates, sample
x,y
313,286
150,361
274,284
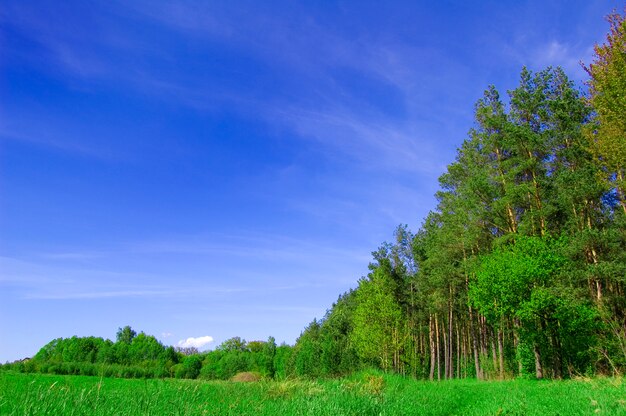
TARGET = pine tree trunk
x,y
446,366
450,339
479,372
438,355
432,347
501,351
620,192
466,347
512,222
538,367
542,223
458,351
483,335
557,362
494,355
516,345
592,258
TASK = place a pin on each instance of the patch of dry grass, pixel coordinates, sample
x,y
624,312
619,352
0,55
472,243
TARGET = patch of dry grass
x,y
246,377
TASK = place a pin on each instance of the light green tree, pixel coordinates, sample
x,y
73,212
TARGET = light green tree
x,y
607,89
376,335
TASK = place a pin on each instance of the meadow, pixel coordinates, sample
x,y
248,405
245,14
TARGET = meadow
x,y
366,393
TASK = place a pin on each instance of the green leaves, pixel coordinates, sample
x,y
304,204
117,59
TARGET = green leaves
x,y
377,319
506,279
607,88
125,334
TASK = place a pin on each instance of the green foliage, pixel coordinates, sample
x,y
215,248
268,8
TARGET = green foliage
x,y
233,344
283,360
125,335
506,278
146,357
607,85
189,367
377,320
324,348
268,357
307,351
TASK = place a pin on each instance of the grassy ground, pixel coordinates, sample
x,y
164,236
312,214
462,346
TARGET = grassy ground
x,y
363,394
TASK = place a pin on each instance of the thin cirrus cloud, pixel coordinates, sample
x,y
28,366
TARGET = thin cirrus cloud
x,y
327,114
569,57
57,281
84,272
554,53
264,247
199,342
377,143
367,136
102,294
44,132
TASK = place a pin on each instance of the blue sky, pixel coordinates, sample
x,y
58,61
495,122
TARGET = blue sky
x,y
224,169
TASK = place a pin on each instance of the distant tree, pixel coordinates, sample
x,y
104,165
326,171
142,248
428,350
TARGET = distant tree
x,y
145,347
338,356
169,355
233,362
255,346
283,362
269,353
307,351
125,335
187,350
233,344
377,317
189,368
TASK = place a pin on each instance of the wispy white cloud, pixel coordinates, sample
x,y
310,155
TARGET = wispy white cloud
x,y
328,113
61,44
98,294
199,342
555,53
538,54
73,255
39,134
63,279
19,272
378,143
260,246
203,19
268,274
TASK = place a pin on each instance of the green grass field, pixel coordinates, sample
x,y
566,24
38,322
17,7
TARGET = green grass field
x,y
362,394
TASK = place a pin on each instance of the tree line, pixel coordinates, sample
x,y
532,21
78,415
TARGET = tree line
x,y
137,355
520,269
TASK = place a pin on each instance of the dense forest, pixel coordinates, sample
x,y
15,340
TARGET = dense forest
x,y
520,271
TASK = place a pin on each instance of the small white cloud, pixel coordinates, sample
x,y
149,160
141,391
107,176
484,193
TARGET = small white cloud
x,y
198,343
166,334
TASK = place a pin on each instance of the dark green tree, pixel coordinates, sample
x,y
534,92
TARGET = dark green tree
x,y
125,335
